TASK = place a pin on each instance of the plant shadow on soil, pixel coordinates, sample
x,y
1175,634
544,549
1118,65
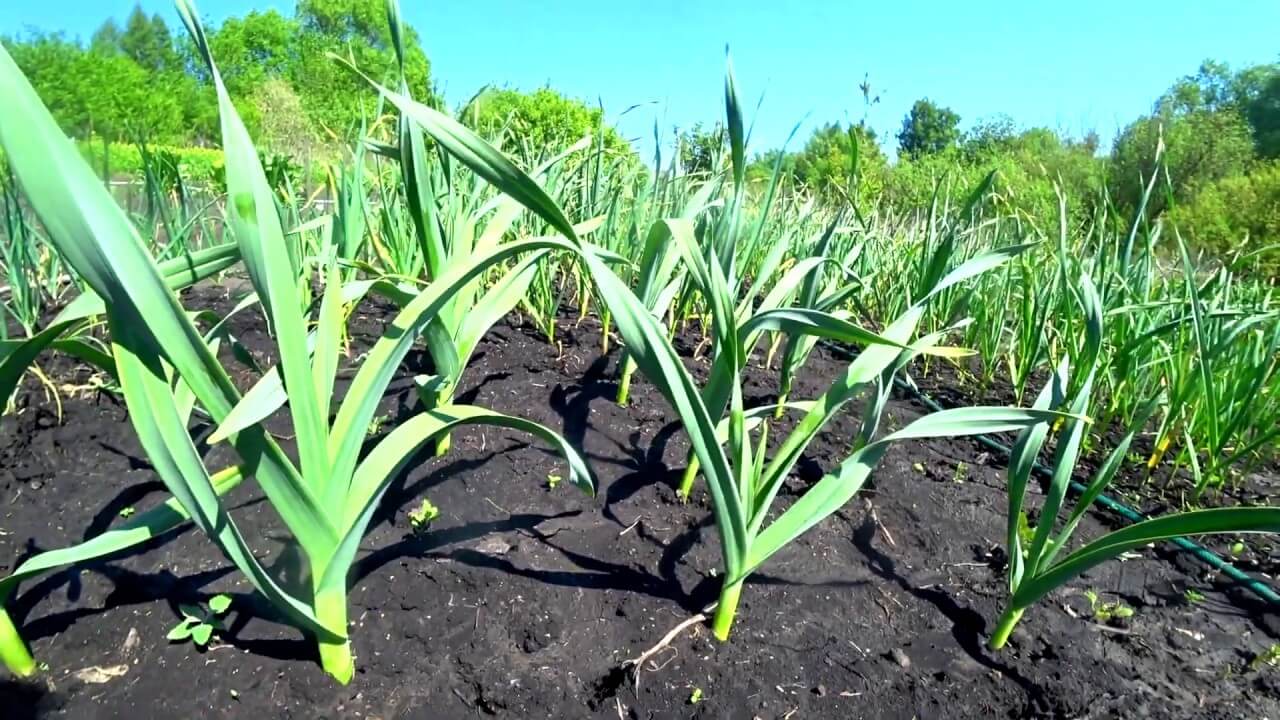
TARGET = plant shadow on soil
x,y
524,601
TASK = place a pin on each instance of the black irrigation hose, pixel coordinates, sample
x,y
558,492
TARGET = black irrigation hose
x,y
1257,587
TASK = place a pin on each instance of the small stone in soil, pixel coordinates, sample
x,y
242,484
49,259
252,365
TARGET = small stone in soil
x,y
131,640
493,546
900,657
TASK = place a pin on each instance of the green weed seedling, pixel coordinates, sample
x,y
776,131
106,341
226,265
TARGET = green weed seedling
x,y
1269,658
376,425
420,519
1105,612
199,623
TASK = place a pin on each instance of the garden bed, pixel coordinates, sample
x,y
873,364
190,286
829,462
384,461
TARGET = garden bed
x,y
525,601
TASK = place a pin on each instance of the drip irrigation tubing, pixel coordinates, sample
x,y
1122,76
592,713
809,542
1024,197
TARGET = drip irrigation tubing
x,y
1259,588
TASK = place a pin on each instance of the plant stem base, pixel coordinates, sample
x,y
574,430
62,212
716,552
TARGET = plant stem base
x,y
335,655
1004,628
726,610
13,651
336,660
624,387
686,481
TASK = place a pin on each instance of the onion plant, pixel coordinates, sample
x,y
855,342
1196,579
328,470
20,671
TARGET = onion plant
x,y
1194,332
452,225
742,484
738,330
1035,568
33,275
661,276
166,367
823,291
68,331
744,489
802,277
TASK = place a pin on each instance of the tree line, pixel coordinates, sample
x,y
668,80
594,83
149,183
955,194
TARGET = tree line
x,y
1212,141
143,81
1217,131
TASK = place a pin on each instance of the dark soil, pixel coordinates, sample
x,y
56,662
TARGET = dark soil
x,y
1166,488
524,601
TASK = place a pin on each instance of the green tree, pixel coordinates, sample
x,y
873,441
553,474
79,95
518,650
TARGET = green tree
x,y
928,128
52,64
1212,88
355,21
1263,112
1235,216
98,93
702,147
1216,87
537,124
106,39
989,137
253,49
760,169
1201,147
282,125
1252,92
148,42
826,164
335,98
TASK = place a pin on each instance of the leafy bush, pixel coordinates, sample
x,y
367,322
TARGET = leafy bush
x,y
197,165
1024,183
1236,216
826,162
537,124
1201,147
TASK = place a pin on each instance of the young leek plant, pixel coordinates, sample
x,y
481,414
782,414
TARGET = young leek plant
x,y
351,214
452,226
743,486
1035,569
742,331
822,293
661,275
752,486
166,368
66,332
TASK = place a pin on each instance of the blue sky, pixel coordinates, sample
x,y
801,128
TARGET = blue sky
x,y
1075,67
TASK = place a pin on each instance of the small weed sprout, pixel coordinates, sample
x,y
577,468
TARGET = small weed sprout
x,y
552,481
127,512
1269,657
199,623
1193,596
421,518
376,425
1105,612
695,697
961,473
